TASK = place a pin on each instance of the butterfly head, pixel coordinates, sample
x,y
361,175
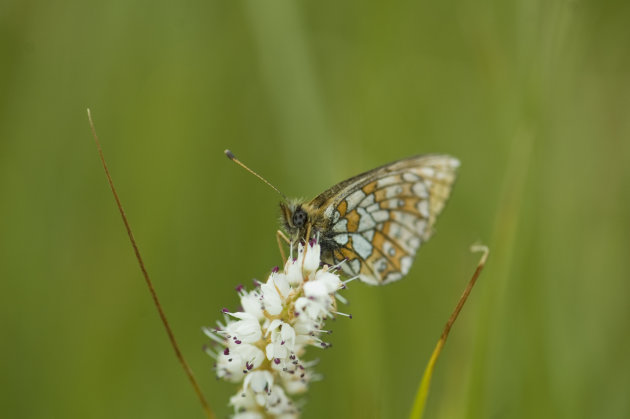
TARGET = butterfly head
x,y
296,219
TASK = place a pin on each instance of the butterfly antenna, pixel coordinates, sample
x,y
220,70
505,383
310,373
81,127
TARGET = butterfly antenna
x,y
232,157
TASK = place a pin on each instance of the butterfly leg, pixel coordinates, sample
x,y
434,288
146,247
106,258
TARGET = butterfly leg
x,y
280,236
308,234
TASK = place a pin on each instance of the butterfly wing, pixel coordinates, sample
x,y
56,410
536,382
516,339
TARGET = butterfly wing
x,y
378,220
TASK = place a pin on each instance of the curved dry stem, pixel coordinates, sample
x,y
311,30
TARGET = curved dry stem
x,y
156,301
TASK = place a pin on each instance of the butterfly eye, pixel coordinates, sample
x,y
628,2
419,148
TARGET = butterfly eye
x,y
299,218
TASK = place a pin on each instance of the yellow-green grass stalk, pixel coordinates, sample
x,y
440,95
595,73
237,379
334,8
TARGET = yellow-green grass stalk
x,y
423,390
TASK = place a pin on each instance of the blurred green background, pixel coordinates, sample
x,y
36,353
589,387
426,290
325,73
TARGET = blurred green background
x,y
532,96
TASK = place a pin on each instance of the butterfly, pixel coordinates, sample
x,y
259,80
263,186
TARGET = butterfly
x,y
373,224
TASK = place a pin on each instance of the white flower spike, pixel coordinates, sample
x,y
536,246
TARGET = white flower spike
x,y
262,346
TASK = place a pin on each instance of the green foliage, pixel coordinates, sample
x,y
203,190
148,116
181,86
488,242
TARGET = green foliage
x,y
531,96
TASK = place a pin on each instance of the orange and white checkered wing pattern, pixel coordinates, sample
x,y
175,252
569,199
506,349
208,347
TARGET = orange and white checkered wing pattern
x,y
379,219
